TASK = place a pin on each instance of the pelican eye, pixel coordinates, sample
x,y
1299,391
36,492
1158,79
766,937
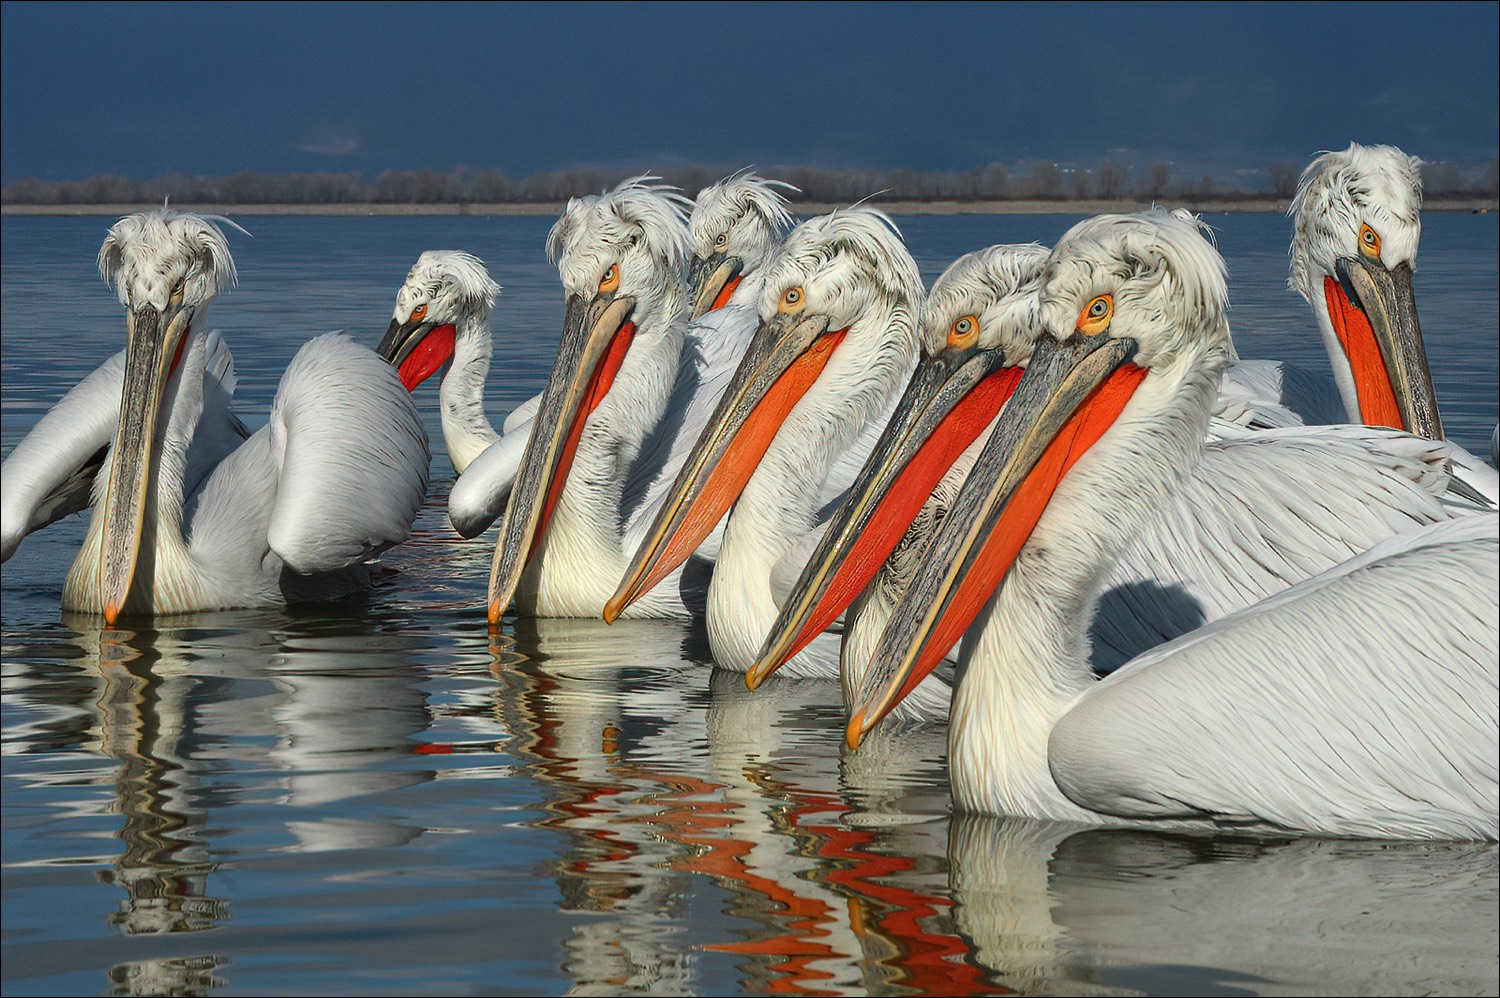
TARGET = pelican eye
x,y
418,314
721,241
792,300
611,279
1369,242
1096,315
964,332
179,288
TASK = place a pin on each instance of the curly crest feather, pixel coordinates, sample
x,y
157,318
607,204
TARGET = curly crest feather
x,y
144,256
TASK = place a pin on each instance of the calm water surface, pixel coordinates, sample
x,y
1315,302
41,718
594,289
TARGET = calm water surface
x,y
382,798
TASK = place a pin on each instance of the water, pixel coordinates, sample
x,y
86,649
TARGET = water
x,y
380,798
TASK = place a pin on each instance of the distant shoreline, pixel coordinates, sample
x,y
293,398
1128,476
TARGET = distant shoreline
x,y
1210,206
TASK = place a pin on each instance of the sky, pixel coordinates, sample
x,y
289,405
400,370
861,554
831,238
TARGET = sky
x,y
142,89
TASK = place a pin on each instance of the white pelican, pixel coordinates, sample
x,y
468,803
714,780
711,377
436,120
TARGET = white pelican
x,y
1362,702
837,338
1239,531
189,514
442,323
737,225
1357,220
630,380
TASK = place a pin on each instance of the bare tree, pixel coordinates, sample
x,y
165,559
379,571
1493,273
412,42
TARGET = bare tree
x,y
1283,179
1045,180
1112,178
1161,174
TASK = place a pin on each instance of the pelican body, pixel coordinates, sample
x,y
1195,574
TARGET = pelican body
x,y
1357,222
1241,529
1361,702
190,511
836,340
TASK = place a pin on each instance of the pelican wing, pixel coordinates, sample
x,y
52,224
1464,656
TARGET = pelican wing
x,y
352,457
50,473
1265,394
1260,513
521,416
479,495
1362,703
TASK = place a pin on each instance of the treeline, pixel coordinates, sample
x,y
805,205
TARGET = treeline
x,y
1039,180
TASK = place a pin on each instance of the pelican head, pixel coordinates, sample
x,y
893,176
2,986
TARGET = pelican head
x,y
977,327
166,267
736,226
1123,298
1356,222
621,256
448,294
841,282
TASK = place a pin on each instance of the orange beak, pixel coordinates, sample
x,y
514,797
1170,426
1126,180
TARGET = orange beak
x,y
596,338
1374,316
1069,396
784,359
950,400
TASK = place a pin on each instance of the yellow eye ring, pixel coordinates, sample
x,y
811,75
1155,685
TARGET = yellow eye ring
x,y
722,240
418,314
611,279
964,332
1369,242
792,300
1096,315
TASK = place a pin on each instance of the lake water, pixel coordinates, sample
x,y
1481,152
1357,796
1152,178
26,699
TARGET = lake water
x,y
384,799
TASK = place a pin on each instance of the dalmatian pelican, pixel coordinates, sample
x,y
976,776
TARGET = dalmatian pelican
x,y
630,380
192,512
442,323
734,225
1357,222
1241,529
1362,702
836,341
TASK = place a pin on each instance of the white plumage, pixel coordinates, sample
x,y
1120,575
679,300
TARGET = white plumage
x,y
629,389
837,338
1361,702
190,514
1260,512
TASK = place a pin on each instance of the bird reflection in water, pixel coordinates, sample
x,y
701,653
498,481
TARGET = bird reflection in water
x,y
1048,906
667,776
164,868
165,865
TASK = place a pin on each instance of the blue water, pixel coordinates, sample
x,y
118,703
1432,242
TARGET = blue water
x,y
383,799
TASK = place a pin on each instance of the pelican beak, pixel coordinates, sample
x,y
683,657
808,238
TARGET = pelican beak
x,y
949,401
417,349
154,343
784,358
597,334
713,280
1374,313
1069,396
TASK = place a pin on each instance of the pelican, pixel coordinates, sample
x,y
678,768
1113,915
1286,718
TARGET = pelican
x,y
1239,531
191,512
737,225
733,226
442,320
837,338
442,323
630,381
1357,220
1362,702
